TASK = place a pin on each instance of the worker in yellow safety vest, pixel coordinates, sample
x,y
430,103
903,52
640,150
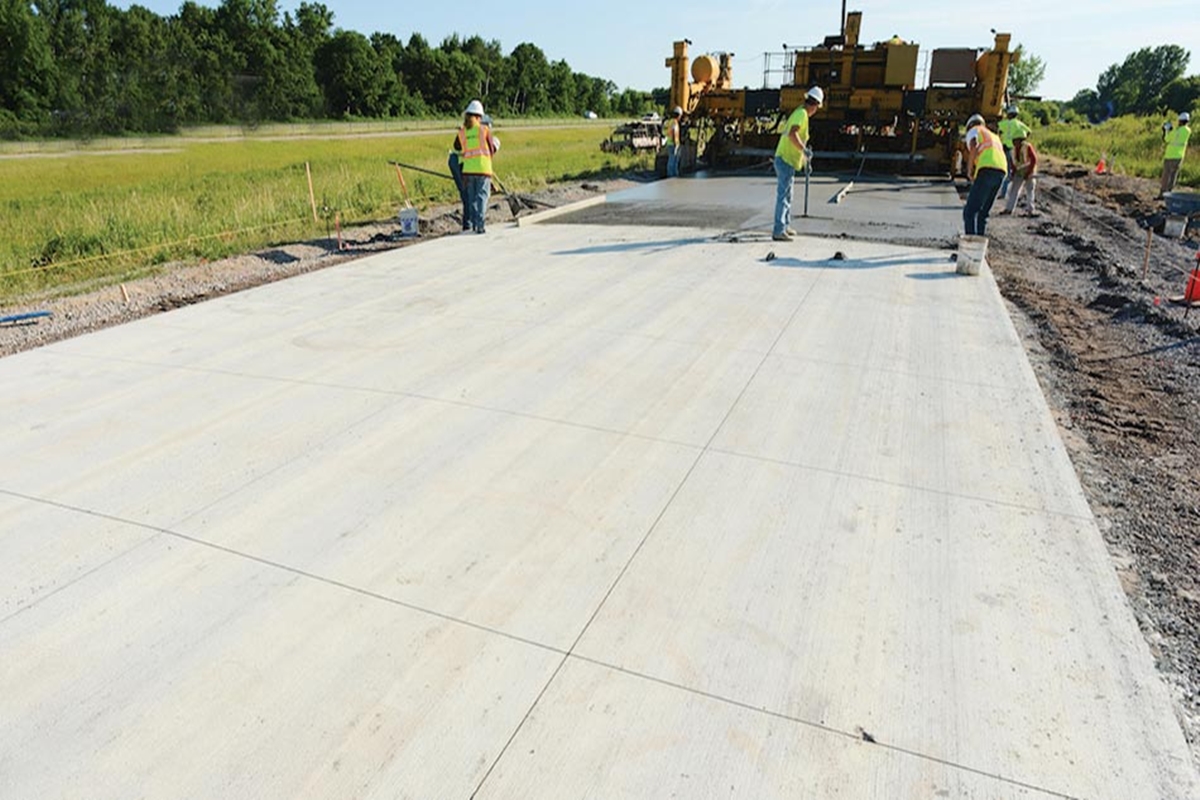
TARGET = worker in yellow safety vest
x,y
1177,141
1010,129
791,154
672,134
986,167
475,146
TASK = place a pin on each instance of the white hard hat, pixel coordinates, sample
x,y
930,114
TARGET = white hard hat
x,y
678,111
816,94
1185,117
974,120
474,107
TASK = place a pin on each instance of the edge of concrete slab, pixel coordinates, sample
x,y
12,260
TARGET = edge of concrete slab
x,y
551,213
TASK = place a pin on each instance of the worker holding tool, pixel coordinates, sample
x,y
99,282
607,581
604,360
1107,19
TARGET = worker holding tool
x,y
1010,128
1177,141
986,167
791,154
1024,176
671,133
476,146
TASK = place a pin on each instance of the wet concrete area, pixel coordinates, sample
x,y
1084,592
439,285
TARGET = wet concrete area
x,y
919,212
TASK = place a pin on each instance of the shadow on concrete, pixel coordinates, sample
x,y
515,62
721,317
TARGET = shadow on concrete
x,y
630,247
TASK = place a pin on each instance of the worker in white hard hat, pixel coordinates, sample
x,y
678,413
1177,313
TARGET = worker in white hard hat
x,y
475,146
1177,141
986,167
791,154
673,139
1010,128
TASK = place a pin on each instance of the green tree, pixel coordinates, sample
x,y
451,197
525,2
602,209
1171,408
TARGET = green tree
x,y
529,92
1025,73
27,73
355,80
1136,85
1182,94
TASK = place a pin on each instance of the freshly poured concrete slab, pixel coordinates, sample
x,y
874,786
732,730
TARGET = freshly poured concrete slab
x,y
824,493
156,445
951,627
602,733
510,523
919,212
183,671
46,548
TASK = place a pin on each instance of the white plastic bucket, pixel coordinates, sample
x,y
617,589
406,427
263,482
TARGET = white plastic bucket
x,y
972,253
408,222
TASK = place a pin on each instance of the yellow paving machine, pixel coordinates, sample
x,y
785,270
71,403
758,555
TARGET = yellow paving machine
x,y
874,108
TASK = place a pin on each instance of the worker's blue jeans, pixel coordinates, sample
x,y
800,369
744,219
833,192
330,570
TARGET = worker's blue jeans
x,y
672,161
785,173
980,198
455,164
479,189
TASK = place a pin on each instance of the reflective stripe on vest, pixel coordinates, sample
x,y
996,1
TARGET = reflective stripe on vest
x,y
476,150
1177,144
992,154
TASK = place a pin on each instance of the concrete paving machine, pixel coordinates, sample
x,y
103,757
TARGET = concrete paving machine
x,y
873,110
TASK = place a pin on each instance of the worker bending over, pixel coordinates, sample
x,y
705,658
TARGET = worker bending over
x,y
986,168
1177,141
791,154
1024,176
476,146
672,134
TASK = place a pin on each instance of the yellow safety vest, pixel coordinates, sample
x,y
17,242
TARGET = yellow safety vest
x,y
785,149
672,131
1009,128
476,146
1177,144
992,155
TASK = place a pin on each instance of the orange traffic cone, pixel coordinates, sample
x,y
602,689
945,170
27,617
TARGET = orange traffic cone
x,y
1101,165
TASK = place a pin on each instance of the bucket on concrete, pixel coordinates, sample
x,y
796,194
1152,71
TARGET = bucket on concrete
x,y
408,222
972,252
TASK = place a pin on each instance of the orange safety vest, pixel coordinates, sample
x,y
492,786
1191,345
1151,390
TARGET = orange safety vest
x,y
475,145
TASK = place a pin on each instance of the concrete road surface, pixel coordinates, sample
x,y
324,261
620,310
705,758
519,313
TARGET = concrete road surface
x,y
566,511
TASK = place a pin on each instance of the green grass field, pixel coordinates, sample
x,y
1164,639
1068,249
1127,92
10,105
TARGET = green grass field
x,y
82,215
1131,145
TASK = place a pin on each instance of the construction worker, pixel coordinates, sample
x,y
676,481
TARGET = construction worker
x,y
1010,128
476,146
1177,141
671,132
986,168
791,154
1024,176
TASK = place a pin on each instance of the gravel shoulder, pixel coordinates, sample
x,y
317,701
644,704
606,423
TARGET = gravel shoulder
x,y
1118,362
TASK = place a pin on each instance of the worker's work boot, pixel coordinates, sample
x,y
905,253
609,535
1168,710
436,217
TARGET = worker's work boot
x,y
781,237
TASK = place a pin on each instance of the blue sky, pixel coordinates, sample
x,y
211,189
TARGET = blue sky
x,y
628,42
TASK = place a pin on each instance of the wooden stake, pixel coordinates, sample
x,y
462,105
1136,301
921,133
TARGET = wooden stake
x,y
337,222
125,294
1149,241
312,200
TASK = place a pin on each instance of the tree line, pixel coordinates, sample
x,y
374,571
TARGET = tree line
x,y
1150,81
83,67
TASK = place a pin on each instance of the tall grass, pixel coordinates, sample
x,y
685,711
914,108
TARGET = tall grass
x,y
1130,145
112,210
